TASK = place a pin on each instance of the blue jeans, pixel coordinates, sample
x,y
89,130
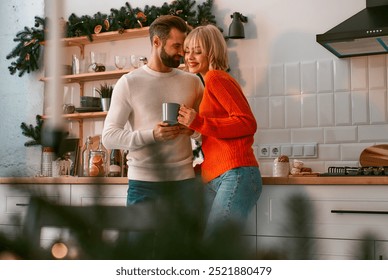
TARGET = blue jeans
x,y
232,196
182,204
141,191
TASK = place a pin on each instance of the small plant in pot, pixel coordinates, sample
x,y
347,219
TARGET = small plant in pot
x,y
105,92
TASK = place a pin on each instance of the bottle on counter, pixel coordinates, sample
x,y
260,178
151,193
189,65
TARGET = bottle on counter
x,y
85,156
115,163
125,164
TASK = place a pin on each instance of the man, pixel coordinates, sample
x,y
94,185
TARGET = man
x,y
160,156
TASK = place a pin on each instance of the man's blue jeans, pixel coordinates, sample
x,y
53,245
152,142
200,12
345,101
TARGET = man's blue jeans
x,y
232,197
180,213
141,191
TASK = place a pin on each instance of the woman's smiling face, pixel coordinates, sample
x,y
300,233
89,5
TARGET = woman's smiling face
x,y
196,60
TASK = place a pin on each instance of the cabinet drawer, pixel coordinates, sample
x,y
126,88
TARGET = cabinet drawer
x,y
114,195
112,201
343,216
381,250
16,204
14,201
320,249
350,219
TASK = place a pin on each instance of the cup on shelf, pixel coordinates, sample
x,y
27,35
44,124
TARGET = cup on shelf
x,y
120,61
138,60
97,62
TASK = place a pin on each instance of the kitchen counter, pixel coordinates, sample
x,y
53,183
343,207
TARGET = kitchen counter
x,y
297,180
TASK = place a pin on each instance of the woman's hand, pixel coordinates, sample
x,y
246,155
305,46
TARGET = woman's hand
x,y
186,115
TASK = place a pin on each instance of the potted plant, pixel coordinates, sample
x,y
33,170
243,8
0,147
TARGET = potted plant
x,y
105,92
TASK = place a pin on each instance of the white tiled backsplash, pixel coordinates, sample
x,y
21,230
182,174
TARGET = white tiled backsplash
x,y
340,104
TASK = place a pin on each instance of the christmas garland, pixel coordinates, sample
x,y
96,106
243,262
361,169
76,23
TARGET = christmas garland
x,y
28,50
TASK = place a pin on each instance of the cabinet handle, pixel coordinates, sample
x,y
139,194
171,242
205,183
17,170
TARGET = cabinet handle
x,y
358,212
22,204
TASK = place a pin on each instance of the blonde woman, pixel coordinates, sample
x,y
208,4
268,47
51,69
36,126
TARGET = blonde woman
x,y
226,122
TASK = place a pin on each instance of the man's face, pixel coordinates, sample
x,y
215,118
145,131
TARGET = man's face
x,y
172,49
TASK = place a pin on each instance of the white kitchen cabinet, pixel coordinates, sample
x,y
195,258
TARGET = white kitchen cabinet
x,y
381,250
321,248
101,194
341,214
14,200
87,195
332,235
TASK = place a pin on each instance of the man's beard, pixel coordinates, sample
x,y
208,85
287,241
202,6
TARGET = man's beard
x,y
169,60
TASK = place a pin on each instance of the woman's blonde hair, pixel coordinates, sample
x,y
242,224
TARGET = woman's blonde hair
x,y
212,44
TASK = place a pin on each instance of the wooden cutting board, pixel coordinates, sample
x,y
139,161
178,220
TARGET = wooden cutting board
x,y
375,156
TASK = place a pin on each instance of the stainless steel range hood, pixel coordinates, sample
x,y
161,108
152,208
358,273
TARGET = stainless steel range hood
x,y
365,33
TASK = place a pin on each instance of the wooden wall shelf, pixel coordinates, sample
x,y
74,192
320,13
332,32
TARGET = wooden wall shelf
x,y
81,116
104,37
107,37
90,77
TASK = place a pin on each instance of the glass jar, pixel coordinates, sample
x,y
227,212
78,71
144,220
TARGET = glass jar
x,y
281,169
97,164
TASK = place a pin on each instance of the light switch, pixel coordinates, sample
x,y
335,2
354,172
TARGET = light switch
x,y
286,150
309,150
297,151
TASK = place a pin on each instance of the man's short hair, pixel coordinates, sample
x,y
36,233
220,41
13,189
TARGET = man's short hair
x,y
162,26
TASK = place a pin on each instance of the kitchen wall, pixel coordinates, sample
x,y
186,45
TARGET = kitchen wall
x,y
21,99
299,92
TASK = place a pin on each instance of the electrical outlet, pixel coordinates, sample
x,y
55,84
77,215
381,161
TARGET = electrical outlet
x,y
263,151
275,151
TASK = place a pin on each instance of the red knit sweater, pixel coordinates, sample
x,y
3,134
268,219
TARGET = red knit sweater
x,y
227,125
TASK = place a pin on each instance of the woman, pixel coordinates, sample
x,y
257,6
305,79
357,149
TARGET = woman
x,y
227,125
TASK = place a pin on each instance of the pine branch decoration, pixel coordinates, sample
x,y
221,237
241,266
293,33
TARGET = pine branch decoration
x,y
124,18
184,10
28,50
205,15
33,132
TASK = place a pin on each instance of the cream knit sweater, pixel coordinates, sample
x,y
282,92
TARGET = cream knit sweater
x,y
136,107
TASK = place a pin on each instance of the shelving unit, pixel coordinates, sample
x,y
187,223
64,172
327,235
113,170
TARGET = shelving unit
x,y
83,78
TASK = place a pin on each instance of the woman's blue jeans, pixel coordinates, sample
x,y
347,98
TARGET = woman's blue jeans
x,y
232,197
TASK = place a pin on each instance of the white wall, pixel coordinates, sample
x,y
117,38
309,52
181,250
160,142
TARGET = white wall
x,y
298,90
21,98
